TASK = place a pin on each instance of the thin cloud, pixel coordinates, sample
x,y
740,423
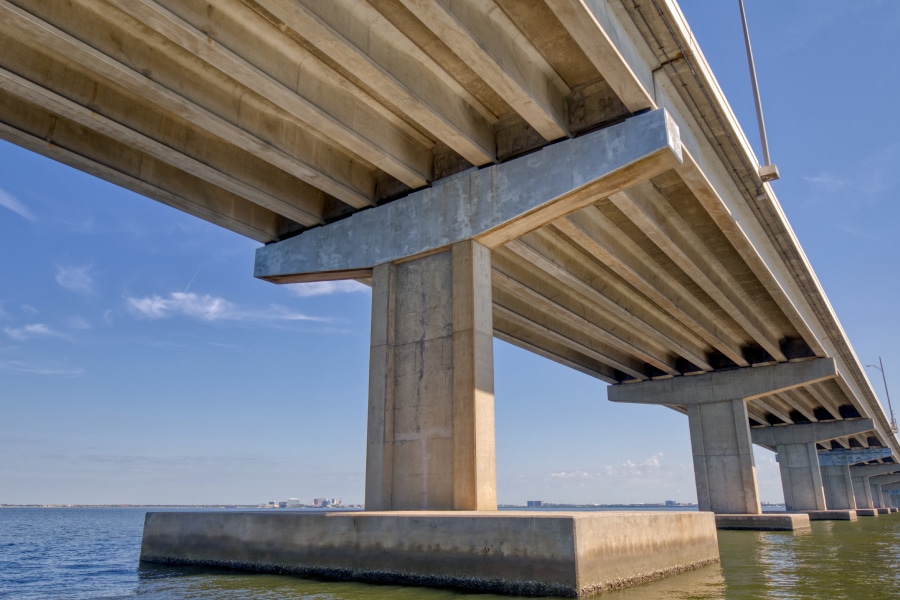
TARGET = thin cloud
x,y
76,279
3,314
79,323
22,367
9,201
32,331
207,308
827,180
326,288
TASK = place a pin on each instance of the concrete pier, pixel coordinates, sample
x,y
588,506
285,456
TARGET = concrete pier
x,y
836,478
544,554
801,477
717,415
862,478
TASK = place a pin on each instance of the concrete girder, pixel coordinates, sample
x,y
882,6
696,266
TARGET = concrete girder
x,y
591,230
486,39
599,351
774,282
538,249
650,211
371,137
493,205
587,32
395,68
355,187
88,118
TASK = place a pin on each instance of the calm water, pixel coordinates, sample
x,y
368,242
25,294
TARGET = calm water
x,y
93,553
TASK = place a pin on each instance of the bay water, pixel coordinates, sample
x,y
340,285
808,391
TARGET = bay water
x,y
92,553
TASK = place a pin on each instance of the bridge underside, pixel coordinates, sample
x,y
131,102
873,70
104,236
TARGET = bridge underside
x,y
279,119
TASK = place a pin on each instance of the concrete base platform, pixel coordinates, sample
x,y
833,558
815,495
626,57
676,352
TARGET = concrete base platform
x,y
521,553
883,511
765,522
831,515
867,512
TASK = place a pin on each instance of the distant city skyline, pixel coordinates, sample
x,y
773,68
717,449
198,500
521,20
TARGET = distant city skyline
x,y
140,361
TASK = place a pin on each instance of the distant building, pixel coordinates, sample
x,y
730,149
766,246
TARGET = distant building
x,y
320,502
535,503
671,503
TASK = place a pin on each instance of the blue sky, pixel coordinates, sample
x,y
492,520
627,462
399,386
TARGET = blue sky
x,y
141,362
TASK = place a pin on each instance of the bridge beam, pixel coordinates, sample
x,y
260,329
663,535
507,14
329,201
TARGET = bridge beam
x,y
801,477
431,384
717,416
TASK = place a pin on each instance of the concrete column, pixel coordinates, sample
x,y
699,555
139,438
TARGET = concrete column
x,y
838,487
799,460
877,497
801,478
431,384
724,471
717,416
862,477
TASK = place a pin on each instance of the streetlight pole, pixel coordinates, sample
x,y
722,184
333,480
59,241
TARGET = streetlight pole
x,y
880,367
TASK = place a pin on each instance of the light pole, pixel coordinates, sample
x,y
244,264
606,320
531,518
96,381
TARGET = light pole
x,y
880,367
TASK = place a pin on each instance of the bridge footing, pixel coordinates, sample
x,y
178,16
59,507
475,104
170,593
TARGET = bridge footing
x,y
765,522
867,512
883,511
521,553
831,515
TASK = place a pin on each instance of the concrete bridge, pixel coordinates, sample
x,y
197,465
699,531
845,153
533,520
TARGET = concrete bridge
x,y
564,175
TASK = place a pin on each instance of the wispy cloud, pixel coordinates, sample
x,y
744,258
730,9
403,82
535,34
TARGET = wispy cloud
x,y
625,471
79,323
208,308
23,367
325,288
31,331
76,279
827,180
12,203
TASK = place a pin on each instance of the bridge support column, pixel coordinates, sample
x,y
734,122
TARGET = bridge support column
x,y
877,497
798,459
836,478
431,384
720,432
862,477
880,483
838,487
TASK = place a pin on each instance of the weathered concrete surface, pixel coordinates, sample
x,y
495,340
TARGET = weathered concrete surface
x,y
498,203
716,402
883,511
555,554
867,512
865,487
431,384
838,487
765,522
832,515
828,458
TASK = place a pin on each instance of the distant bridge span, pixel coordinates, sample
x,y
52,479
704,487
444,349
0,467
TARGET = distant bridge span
x,y
565,175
